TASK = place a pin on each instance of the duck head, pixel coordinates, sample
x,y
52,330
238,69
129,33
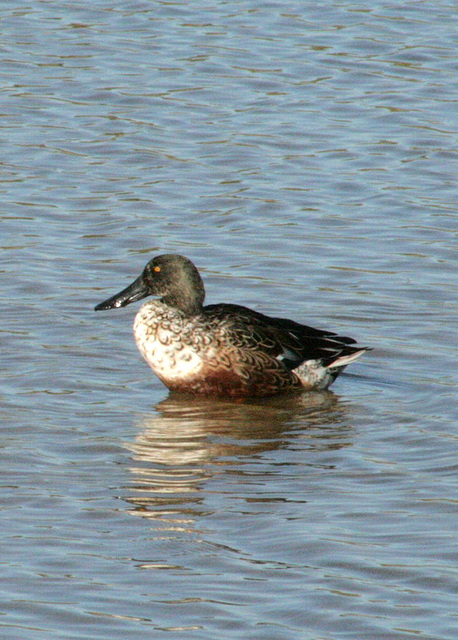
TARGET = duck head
x,y
172,277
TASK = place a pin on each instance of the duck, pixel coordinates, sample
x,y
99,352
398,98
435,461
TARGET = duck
x,y
225,349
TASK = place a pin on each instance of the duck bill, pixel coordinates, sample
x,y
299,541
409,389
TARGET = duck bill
x,y
135,291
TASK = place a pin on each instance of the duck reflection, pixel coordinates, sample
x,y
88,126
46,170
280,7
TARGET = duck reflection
x,y
189,440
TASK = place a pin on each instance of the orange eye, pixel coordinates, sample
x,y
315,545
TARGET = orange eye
x,y
156,269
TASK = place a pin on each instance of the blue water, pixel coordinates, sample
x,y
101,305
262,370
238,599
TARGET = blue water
x,y
304,157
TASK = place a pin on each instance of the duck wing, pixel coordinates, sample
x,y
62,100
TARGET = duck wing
x,y
288,341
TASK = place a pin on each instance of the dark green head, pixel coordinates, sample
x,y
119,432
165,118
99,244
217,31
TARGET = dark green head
x,y
172,277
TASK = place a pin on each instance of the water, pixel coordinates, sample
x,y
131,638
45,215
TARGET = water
x,y
304,156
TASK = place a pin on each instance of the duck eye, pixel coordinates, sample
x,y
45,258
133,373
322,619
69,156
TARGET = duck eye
x,y
156,269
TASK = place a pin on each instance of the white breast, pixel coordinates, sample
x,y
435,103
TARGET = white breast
x,y
170,359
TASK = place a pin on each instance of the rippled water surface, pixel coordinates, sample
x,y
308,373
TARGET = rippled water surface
x,y
304,156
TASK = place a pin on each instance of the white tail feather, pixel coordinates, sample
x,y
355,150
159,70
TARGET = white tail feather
x,y
344,360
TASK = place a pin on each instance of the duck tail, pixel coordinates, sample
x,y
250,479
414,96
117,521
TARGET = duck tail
x,y
343,360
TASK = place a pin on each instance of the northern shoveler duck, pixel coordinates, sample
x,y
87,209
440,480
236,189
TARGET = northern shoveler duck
x,y
224,349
